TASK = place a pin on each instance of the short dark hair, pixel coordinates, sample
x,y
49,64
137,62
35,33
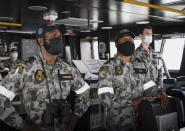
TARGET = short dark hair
x,y
145,27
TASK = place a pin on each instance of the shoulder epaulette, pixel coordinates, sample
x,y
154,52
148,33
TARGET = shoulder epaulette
x,y
29,60
138,59
106,62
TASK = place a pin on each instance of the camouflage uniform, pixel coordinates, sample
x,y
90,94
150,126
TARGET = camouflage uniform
x,y
28,79
119,83
152,63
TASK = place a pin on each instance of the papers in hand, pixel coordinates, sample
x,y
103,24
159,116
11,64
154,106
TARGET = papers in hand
x,y
7,93
149,85
90,76
88,66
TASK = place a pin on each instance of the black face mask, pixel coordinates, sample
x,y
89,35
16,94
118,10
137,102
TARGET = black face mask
x,y
54,46
126,48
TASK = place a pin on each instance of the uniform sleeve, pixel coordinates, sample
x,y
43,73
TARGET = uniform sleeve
x,y
159,78
9,87
159,74
152,91
105,86
81,88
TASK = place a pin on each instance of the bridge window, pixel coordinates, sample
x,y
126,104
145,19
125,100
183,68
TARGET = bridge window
x,y
172,53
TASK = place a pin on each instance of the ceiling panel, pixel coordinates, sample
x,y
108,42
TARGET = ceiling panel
x,y
112,12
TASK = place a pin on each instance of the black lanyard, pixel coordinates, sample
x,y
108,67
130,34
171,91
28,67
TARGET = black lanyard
x,y
49,95
47,84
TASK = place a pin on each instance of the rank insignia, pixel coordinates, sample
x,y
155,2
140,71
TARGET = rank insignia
x,y
135,53
144,56
155,56
105,68
39,76
119,70
21,68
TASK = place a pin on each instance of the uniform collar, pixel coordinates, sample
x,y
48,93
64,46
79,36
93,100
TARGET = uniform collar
x,y
143,49
58,61
121,62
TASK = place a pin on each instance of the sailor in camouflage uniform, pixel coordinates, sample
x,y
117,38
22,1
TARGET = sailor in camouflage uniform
x,y
33,78
147,54
120,85
8,65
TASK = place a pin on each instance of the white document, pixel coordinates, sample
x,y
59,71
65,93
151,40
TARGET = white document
x,y
88,66
149,85
81,66
5,92
90,76
93,65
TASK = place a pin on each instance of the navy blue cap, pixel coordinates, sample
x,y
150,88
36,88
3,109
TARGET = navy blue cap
x,y
13,49
47,28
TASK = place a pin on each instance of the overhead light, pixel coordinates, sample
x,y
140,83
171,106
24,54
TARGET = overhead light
x,y
66,12
106,28
142,22
180,17
18,31
3,27
85,31
37,8
75,21
6,18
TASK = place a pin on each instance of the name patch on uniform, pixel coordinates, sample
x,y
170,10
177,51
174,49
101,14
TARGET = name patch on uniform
x,y
66,76
119,70
39,76
140,71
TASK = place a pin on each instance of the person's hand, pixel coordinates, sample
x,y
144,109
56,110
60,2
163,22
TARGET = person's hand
x,y
73,120
137,100
164,98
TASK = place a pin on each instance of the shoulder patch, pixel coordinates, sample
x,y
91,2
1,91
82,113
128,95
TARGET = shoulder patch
x,y
104,68
21,68
29,60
